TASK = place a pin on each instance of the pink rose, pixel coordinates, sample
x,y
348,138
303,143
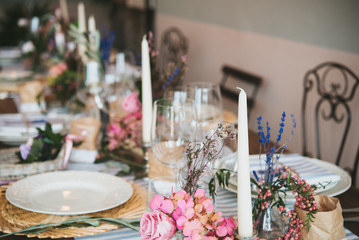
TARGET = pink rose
x,y
157,226
131,103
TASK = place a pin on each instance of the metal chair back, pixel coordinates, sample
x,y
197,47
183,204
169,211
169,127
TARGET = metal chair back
x,y
250,82
335,86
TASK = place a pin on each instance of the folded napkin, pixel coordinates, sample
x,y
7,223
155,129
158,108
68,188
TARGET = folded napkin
x,y
18,131
28,92
89,127
306,167
26,124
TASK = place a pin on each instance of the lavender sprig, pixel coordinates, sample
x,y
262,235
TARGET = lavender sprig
x,y
275,150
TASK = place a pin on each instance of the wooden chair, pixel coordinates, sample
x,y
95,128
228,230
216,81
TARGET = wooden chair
x,y
173,46
334,86
232,78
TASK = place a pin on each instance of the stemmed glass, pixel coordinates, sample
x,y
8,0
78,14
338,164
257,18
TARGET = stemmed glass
x,y
208,102
172,126
207,99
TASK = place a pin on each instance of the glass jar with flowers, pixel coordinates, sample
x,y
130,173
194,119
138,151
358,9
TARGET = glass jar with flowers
x,y
271,218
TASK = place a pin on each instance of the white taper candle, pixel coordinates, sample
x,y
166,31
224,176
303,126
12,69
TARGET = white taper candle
x,y
92,25
64,11
146,93
82,28
244,201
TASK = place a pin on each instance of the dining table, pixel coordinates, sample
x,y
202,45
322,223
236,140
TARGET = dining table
x,y
348,200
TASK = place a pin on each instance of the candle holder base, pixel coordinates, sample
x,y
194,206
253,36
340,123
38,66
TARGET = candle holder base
x,y
145,147
248,238
253,237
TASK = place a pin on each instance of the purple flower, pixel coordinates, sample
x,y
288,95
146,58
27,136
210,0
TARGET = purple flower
x,y
24,151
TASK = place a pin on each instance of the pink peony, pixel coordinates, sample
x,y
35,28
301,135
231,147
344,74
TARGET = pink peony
x,y
131,104
157,226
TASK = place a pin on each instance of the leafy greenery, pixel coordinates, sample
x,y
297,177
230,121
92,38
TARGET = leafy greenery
x,y
46,146
132,160
81,221
64,86
222,176
91,43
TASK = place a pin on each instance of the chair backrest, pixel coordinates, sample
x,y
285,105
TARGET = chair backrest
x,y
233,77
335,86
173,46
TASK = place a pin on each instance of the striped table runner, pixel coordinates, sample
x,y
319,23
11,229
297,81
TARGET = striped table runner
x,y
306,167
226,202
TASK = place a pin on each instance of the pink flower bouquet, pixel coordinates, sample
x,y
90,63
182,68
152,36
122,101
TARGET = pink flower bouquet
x,y
195,217
126,132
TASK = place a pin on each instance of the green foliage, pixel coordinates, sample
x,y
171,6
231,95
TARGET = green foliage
x,y
81,221
92,44
222,176
46,146
134,162
64,86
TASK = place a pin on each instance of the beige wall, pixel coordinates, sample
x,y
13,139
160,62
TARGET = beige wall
x,y
281,63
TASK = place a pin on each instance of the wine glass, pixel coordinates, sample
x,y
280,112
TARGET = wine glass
x,y
208,101
172,128
178,94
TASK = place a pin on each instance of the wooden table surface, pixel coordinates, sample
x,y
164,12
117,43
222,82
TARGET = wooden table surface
x,y
349,199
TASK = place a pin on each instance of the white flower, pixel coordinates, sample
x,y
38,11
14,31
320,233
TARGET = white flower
x,y
27,47
29,141
22,22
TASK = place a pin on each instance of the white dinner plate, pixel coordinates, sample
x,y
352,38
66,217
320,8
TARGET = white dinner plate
x,y
14,76
332,189
69,192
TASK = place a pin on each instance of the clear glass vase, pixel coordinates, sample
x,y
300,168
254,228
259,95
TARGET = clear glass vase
x,y
271,224
178,236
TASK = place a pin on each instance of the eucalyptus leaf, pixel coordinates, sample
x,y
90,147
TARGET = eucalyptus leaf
x,y
81,221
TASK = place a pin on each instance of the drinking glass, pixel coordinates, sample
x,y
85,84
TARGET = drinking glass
x,y
163,186
172,128
208,102
178,94
207,99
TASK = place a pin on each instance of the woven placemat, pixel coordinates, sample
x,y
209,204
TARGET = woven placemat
x,y
13,219
156,168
